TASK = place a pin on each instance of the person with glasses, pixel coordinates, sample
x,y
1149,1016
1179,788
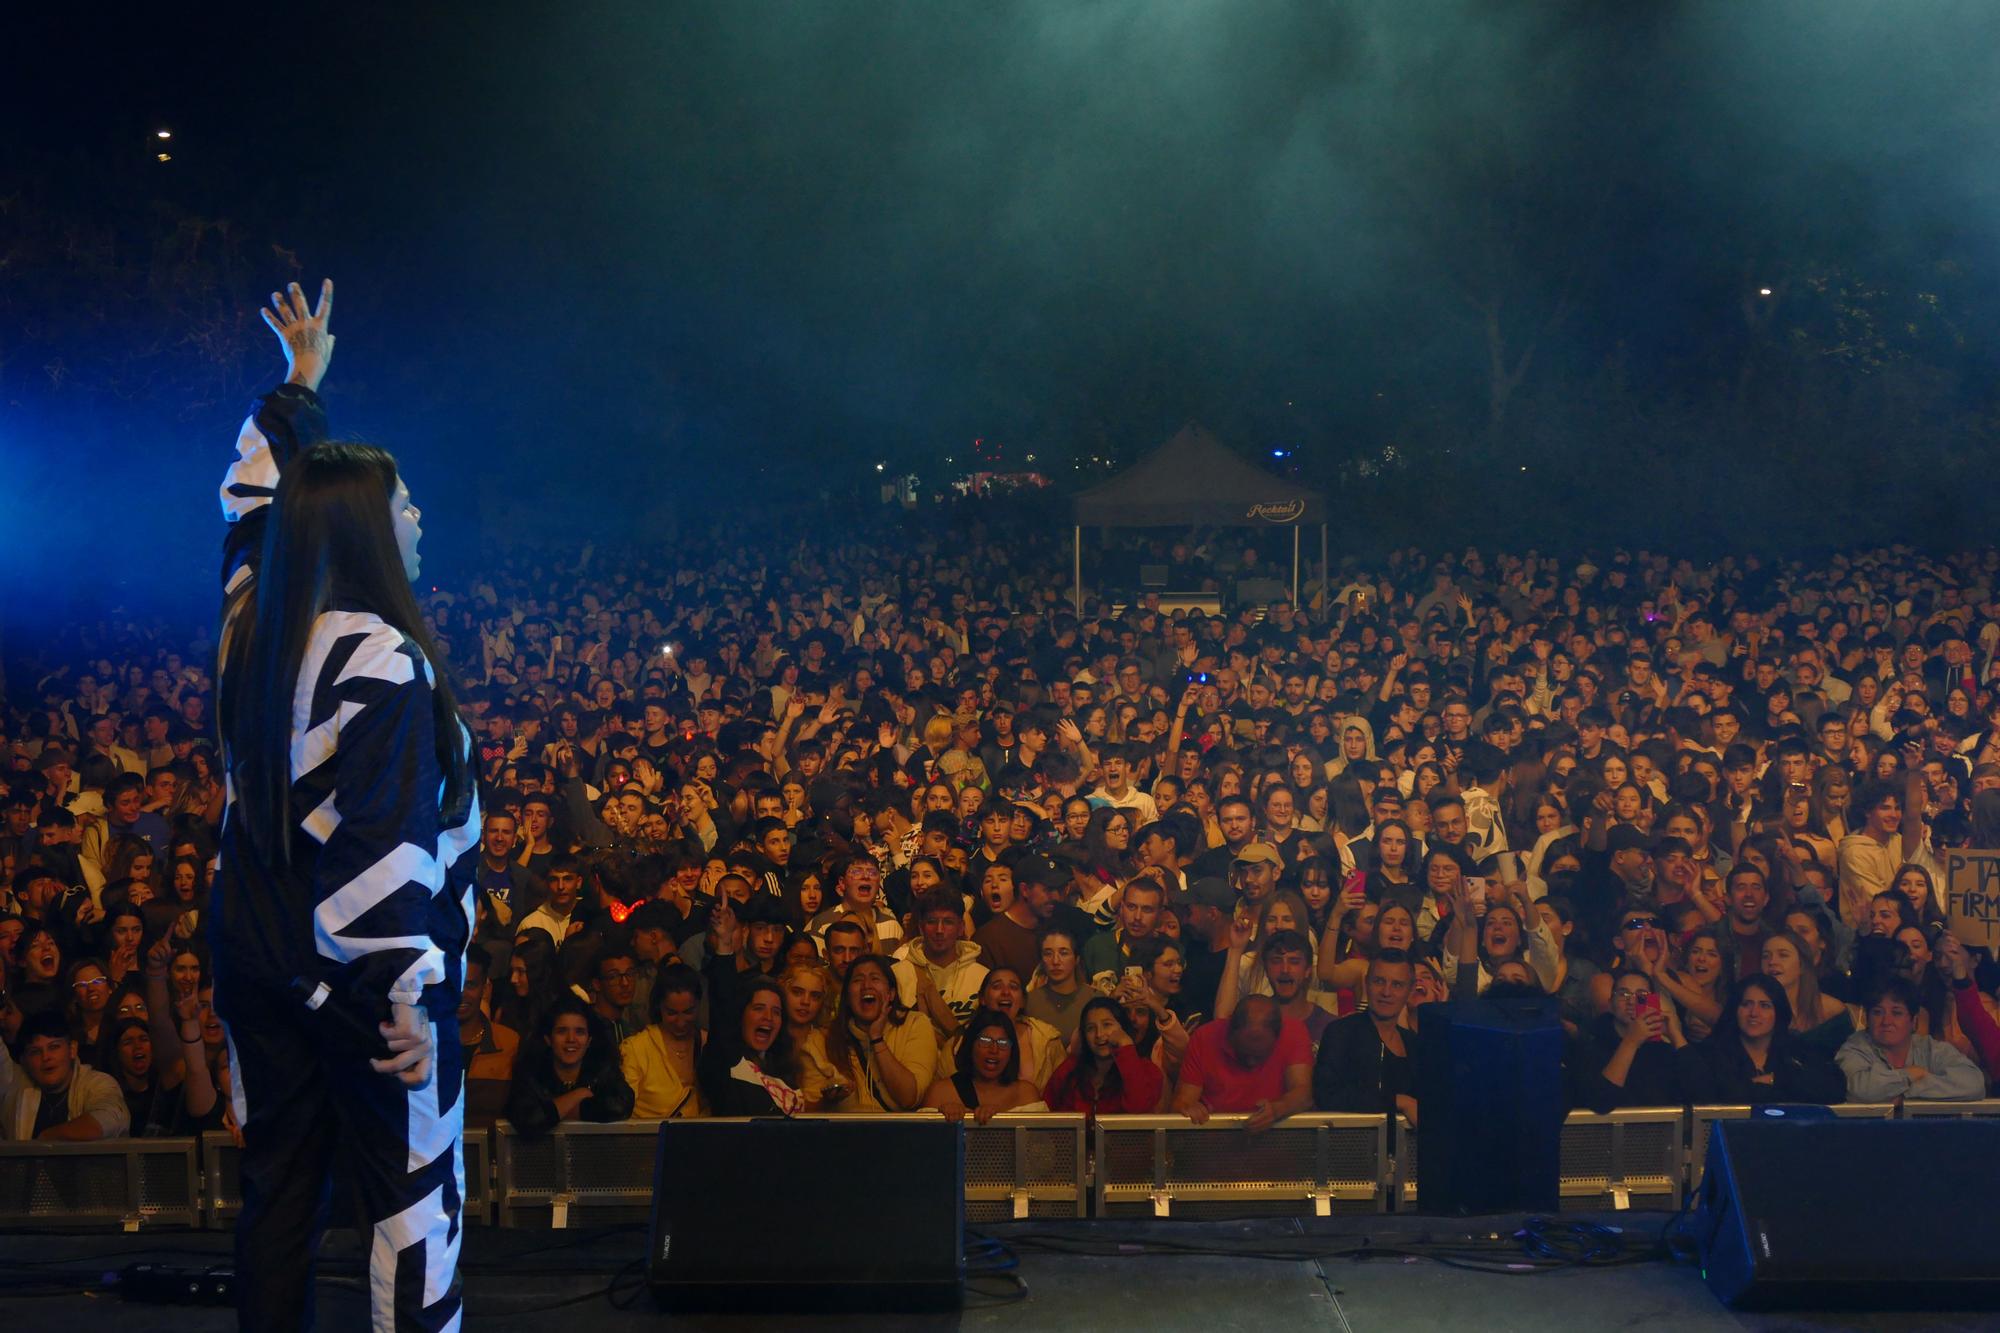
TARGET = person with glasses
x,y
89,1002
614,978
1627,1056
1640,944
988,1078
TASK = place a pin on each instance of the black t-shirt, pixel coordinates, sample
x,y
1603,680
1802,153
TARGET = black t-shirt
x,y
1202,978
53,1111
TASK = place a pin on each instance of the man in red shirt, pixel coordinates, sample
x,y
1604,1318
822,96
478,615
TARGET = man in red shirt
x,y
1257,1062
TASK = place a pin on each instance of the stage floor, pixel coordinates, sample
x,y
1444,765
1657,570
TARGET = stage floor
x,y
513,1277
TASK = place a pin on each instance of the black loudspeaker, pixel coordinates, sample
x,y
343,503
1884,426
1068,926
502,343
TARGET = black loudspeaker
x,y
735,1226
1844,1214
1490,1106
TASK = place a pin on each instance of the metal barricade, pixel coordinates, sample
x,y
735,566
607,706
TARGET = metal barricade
x,y
1403,1170
222,1192
122,1184
582,1174
479,1176
1025,1165
222,1179
1626,1158
1702,1124
577,1175
1986,1108
1629,1158
1307,1165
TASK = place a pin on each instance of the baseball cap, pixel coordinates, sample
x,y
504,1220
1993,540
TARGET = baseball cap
x,y
1208,891
1034,868
1256,852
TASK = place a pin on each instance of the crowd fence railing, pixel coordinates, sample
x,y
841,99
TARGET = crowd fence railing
x,y
1018,1166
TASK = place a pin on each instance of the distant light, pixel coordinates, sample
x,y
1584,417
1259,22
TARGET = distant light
x,y
165,157
163,134
1763,291
881,467
1031,458
1280,453
1524,467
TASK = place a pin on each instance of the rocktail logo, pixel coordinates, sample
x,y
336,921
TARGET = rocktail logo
x,y
1286,512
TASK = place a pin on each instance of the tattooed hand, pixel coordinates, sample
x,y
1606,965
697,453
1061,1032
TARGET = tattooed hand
x,y
308,346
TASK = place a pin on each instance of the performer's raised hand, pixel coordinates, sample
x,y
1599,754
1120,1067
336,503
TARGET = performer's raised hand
x,y
308,346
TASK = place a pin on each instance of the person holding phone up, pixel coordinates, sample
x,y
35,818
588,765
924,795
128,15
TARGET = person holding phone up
x,y
1627,1057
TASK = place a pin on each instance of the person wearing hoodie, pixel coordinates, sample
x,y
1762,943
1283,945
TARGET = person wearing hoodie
x,y
1892,1060
54,1096
938,972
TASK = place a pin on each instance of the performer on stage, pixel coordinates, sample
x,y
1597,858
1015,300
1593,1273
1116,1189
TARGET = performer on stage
x,y
344,898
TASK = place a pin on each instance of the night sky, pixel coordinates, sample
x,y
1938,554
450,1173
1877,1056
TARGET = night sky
x,y
707,251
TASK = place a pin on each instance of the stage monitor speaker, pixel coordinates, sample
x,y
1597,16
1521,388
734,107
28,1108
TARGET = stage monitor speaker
x,y
1490,1105
1843,1214
730,1232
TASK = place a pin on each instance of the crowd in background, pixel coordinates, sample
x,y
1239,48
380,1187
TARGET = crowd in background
x,y
882,823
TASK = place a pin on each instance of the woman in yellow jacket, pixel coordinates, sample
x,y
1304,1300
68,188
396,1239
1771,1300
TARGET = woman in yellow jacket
x,y
659,1059
884,1056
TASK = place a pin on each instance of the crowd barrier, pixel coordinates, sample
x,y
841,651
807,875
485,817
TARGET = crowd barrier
x,y
223,1184
1018,1166
1632,1158
1167,1166
112,1185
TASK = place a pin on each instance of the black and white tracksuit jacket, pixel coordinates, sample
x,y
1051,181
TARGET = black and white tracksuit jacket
x,y
375,908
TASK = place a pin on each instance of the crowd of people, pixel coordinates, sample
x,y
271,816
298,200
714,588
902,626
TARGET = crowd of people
x,y
886,825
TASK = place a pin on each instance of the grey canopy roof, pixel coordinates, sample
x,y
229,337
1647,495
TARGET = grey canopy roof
x,y
1195,479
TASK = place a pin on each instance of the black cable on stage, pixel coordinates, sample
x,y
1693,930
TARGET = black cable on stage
x,y
1541,1245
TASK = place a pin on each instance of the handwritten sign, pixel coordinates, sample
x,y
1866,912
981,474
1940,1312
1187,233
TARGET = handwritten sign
x,y
1972,895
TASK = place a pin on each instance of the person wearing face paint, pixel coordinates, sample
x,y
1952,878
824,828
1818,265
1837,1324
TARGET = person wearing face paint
x,y
1754,1056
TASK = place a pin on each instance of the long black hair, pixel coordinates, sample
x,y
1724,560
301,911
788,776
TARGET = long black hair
x,y
967,1074
329,541
1077,1072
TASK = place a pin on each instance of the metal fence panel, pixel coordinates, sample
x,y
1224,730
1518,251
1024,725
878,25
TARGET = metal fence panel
x,y
1165,1166
222,1176
579,1175
1025,1165
1987,1108
1627,1158
122,1184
